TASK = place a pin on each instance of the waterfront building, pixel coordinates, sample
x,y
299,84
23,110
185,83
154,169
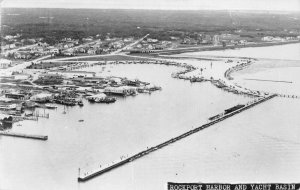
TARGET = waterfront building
x,y
17,96
41,97
73,74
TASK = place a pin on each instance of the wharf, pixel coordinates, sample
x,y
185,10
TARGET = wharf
x,y
87,176
37,137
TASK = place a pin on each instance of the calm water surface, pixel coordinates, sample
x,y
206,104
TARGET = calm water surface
x,y
259,145
286,52
109,131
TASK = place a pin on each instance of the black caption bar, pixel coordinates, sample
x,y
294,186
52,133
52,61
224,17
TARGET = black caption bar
x,y
226,186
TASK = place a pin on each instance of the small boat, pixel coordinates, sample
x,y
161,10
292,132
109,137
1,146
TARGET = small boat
x,y
107,100
80,120
50,106
80,103
92,100
28,114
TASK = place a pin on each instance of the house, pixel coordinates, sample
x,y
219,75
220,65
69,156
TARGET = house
x,y
22,55
139,46
243,42
91,51
216,40
31,40
68,52
21,76
150,46
174,38
267,38
9,37
54,50
87,39
11,46
150,40
4,63
130,39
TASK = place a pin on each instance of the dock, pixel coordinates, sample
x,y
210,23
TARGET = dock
x,y
89,175
12,134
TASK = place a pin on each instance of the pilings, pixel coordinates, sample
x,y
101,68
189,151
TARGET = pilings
x,y
91,175
12,134
289,96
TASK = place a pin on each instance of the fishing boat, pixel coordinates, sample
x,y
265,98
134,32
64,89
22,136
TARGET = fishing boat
x,y
107,100
101,98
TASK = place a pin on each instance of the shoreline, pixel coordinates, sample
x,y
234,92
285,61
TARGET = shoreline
x,y
214,48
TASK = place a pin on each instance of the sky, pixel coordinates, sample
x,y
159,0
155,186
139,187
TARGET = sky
x,y
278,5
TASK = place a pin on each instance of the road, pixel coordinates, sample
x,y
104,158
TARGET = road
x,y
130,45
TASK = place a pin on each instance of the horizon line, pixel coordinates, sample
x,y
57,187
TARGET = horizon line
x,y
152,9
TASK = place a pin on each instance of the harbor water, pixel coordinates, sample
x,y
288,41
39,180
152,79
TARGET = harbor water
x,y
108,131
259,145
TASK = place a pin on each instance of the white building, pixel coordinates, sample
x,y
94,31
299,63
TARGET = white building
x,y
4,63
54,50
267,38
21,76
216,40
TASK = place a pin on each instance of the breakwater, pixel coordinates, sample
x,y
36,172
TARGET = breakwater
x,y
12,134
89,175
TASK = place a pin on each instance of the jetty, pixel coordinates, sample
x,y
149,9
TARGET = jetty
x,y
265,80
89,175
12,134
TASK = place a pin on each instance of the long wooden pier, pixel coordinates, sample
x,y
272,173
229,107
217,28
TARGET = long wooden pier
x,y
90,175
12,134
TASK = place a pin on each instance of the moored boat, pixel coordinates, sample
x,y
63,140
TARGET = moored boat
x,y
50,106
107,100
80,103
